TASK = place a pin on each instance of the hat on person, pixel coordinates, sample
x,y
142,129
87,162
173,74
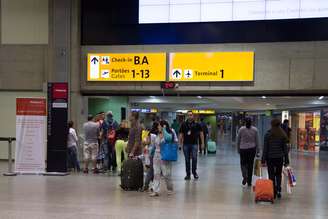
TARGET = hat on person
x,y
109,113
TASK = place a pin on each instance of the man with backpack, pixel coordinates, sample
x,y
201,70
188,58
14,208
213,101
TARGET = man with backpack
x,y
108,129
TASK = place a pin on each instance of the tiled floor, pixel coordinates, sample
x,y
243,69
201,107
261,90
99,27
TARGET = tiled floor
x,y
217,194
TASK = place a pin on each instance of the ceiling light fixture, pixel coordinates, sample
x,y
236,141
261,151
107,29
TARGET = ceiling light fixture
x,y
264,97
320,98
268,104
199,97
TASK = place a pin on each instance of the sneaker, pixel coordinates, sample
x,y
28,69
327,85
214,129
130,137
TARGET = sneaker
x,y
146,188
151,190
196,176
170,192
154,194
86,171
279,195
187,177
243,183
95,171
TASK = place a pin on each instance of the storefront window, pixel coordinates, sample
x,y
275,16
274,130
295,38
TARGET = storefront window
x,y
308,131
324,130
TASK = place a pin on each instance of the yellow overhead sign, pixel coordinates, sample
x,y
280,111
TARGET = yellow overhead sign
x,y
127,67
203,111
212,66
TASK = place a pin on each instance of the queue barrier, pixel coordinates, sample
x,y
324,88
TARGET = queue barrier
x,y
10,158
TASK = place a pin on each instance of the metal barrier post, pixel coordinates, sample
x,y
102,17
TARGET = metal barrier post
x,y
10,160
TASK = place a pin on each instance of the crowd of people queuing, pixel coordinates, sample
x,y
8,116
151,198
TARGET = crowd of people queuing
x,y
107,144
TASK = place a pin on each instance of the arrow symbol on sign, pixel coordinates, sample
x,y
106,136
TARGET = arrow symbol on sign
x,y
94,60
188,74
176,73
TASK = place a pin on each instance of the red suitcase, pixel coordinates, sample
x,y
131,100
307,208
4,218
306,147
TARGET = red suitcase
x,y
264,190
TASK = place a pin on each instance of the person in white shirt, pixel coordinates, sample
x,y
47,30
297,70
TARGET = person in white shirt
x,y
161,167
72,142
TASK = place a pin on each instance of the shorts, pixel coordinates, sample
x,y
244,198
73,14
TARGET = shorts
x,y
90,151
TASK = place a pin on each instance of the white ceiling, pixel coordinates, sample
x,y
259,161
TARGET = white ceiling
x,y
227,103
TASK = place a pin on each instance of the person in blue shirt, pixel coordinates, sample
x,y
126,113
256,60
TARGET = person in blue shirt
x,y
107,143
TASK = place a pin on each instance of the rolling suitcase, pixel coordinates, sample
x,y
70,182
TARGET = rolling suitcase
x,y
132,175
211,147
264,190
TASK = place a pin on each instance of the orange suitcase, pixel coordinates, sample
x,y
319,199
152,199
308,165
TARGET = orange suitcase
x,y
264,191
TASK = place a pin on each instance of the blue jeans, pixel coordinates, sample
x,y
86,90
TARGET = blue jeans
x,y
109,156
72,158
190,152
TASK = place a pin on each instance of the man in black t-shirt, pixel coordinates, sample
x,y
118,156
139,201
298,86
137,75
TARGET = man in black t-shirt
x,y
189,134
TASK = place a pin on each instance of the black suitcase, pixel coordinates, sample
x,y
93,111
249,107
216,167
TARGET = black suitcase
x,y
132,175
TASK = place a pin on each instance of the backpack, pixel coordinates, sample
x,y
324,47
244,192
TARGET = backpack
x,y
111,136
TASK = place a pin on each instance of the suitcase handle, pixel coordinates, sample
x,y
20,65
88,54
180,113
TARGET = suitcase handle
x,y
261,171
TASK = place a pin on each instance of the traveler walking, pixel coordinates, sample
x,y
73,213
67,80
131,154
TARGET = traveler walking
x,y
134,147
205,131
72,143
248,146
189,134
275,154
209,128
122,135
90,147
166,135
288,131
176,126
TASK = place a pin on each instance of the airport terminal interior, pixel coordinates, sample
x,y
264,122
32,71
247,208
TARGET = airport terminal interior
x,y
163,109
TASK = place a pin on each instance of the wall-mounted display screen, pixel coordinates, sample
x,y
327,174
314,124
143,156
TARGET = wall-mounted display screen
x,y
145,22
179,11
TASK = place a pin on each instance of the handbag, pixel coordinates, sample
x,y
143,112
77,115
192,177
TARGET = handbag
x,y
169,151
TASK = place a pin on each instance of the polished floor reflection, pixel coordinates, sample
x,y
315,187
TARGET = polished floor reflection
x,y
217,194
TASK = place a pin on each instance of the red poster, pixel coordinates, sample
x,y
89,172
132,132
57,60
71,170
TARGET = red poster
x,y
60,91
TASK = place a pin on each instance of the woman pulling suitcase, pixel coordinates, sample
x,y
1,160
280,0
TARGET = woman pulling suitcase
x,y
275,154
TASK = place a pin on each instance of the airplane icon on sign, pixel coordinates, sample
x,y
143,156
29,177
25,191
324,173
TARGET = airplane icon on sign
x,y
188,73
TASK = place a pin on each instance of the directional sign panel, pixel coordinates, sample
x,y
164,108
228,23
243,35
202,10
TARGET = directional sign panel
x,y
212,66
127,67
